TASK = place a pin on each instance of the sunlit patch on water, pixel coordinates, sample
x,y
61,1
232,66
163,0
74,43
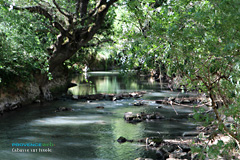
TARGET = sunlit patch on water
x,y
73,120
31,138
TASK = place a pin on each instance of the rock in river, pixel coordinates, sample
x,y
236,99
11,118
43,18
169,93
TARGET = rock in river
x,y
100,107
60,109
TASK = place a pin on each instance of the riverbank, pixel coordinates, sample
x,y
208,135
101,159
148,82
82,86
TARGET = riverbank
x,y
23,94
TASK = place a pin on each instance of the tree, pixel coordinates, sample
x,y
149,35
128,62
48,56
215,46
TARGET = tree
x,y
75,22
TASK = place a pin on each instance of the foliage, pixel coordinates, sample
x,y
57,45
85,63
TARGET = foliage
x,y
196,40
23,46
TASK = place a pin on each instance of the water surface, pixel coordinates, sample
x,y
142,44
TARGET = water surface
x,y
88,133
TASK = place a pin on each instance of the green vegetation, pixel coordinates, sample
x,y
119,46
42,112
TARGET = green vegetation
x,y
197,41
23,46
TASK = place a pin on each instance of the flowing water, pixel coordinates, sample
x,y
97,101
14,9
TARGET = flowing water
x,y
87,132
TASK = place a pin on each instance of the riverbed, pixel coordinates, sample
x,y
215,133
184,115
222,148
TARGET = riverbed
x,y
37,132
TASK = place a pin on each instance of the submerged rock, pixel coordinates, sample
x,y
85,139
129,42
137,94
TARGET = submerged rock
x,y
60,109
121,140
100,107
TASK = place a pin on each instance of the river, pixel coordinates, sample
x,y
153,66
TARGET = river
x,y
88,133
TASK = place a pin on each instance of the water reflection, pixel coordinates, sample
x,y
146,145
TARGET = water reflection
x,y
109,82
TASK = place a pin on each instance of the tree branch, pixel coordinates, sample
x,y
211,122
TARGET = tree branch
x,y
60,10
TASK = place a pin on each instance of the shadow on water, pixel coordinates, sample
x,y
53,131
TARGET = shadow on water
x,y
88,132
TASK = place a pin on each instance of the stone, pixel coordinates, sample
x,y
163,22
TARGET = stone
x,y
154,141
126,95
100,107
151,116
131,118
121,140
60,109
109,96
159,107
12,106
128,116
140,103
117,97
37,101
186,134
75,97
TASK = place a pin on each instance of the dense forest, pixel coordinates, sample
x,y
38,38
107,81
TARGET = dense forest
x,y
196,42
